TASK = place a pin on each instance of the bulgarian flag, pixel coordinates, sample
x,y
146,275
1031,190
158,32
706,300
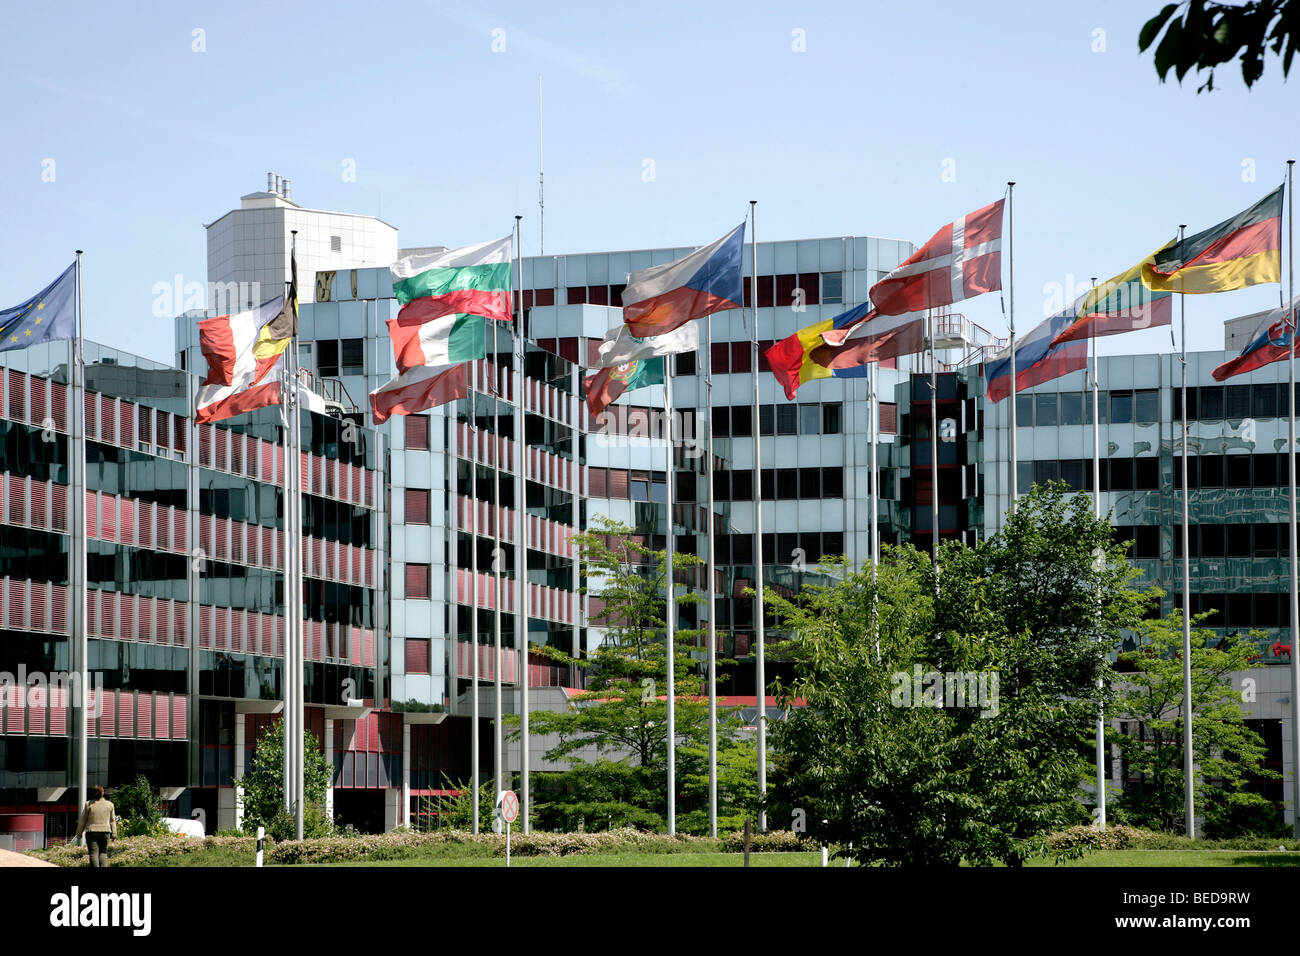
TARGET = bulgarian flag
x,y
472,280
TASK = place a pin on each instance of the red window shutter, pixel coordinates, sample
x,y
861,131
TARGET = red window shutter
x,y
888,418
598,294
741,356
577,295
417,656
544,297
593,352
811,283
785,286
417,581
417,506
569,349
417,432
720,352
598,483
617,483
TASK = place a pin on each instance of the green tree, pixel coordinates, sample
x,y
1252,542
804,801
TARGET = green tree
x,y
1025,619
139,806
614,736
1209,34
1227,753
263,784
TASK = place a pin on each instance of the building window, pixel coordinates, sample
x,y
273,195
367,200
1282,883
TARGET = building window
x,y
417,582
353,357
417,656
416,432
327,358
832,288
416,505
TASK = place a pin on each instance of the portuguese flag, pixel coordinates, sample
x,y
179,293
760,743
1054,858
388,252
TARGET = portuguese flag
x,y
604,386
1238,252
471,280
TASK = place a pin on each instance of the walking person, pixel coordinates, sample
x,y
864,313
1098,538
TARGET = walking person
x,y
98,822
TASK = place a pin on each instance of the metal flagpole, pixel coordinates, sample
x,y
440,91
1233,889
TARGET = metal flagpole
x,y
498,559
1011,297
521,542
1295,589
934,451
1188,789
873,423
473,589
670,612
760,609
711,571
1096,511
299,645
290,466
78,576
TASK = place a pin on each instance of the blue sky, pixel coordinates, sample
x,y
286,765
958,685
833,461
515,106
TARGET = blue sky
x,y
852,135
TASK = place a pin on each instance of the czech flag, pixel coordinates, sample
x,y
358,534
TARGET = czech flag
x,y
1037,360
662,298
1268,345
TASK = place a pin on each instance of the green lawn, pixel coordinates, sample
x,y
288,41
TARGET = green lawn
x,y
614,859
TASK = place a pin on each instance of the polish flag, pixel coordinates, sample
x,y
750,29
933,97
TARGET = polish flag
x,y
961,260
418,389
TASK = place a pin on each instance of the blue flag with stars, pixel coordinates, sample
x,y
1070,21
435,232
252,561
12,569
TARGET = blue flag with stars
x,y
49,315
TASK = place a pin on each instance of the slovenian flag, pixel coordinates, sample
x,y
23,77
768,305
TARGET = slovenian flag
x,y
1037,360
1267,345
662,298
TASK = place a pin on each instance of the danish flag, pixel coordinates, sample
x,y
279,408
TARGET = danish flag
x,y
961,260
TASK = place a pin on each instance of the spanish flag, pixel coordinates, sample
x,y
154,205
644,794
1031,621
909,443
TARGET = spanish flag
x,y
276,335
1241,251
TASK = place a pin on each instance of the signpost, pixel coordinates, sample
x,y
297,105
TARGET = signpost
x,y
508,810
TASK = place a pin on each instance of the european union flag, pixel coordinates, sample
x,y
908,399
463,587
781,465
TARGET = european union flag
x,y
49,315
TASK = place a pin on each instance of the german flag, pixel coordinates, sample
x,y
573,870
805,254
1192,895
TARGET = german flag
x,y
279,332
1241,251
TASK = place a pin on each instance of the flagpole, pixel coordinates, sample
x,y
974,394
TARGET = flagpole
x,y
300,649
670,613
1295,573
711,571
1188,788
1011,296
497,561
521,543
474,768
286,719
1096,512
760,608
873,423
79,573
934,452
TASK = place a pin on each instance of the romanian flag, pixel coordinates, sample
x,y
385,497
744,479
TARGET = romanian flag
x,y
1242,251
843,346
1120,304
1269,343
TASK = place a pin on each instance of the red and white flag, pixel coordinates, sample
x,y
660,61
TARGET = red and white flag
x,y
961,260
418,389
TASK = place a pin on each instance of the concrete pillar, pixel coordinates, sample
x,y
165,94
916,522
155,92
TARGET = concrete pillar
x,y
329,758
239,770
391,796
405,815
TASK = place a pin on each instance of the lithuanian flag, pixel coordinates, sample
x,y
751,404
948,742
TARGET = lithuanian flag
x,y
1241,251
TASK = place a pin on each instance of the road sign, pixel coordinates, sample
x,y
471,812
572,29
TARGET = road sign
x,y
509,806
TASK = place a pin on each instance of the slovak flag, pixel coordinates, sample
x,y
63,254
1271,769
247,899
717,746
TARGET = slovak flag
x,y
662,298
1267,345
961,260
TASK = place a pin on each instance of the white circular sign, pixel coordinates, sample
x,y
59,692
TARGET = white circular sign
x,y
509,806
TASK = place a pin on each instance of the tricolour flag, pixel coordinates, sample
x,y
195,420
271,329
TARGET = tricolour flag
x,y
1120,304
418,389
473,280
1242,251
448,340
621,346
806,355
605,385
1037,359
48,316
662,298
279,332
238,381
961,260
1268,344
